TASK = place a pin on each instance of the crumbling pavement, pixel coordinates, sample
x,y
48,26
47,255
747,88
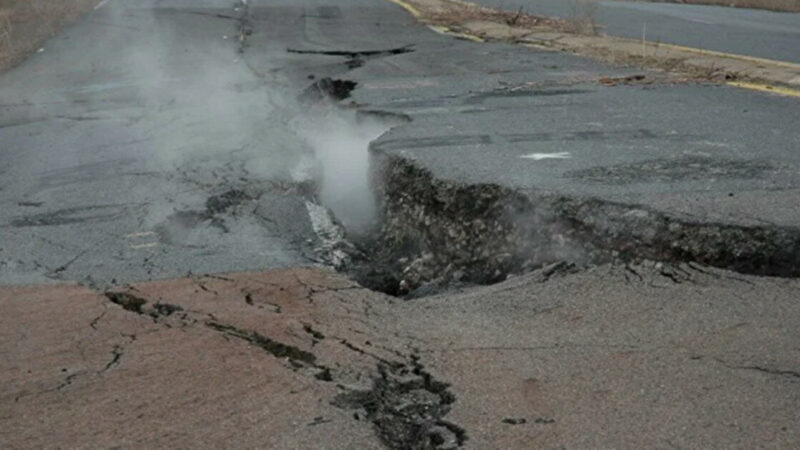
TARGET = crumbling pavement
x,y
299,357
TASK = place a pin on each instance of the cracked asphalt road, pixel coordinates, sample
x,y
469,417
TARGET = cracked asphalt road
x,y
623,356
121,140
133,167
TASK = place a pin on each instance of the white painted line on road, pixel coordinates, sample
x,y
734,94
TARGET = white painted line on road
x,y
101,4
148,245
139,234
540,156
705,22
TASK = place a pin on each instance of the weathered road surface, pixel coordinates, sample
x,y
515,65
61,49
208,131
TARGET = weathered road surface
x,y
751,32
158,139
616,356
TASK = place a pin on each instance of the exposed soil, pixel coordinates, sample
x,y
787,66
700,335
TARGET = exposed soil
x,y
404,403
438,234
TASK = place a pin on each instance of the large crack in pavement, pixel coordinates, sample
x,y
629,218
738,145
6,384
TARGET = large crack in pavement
x,y
540,358
355,58
434,234
404,403
437,233
407,407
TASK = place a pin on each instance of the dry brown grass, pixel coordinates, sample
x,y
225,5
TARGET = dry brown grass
x,y
25,24
772,5
461,12
466,20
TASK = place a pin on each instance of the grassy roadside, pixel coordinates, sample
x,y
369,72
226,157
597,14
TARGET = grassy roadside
x,y
771,5
25,24
578,36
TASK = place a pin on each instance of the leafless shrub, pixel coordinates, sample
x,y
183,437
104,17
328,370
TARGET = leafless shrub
x,y
466,12
582,17
512,20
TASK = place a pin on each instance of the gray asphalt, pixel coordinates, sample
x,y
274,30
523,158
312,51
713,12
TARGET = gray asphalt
x,y
148,141
142,144
707,152
751,32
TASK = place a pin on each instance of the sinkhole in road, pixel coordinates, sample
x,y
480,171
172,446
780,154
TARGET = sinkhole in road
x,y
400,229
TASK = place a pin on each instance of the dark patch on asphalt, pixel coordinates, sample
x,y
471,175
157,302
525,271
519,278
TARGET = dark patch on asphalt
x,y
165,309
327,89
515,421
30,204
686,168
69,216
314,333
407,406
319,420
216,205
221,203
324,375
133,303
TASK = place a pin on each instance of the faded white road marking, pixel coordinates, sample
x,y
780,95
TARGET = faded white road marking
x,y
139,234
148,245
101,4
540,156
705,22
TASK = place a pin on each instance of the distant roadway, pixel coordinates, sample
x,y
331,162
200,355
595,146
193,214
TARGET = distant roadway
x,y
751,32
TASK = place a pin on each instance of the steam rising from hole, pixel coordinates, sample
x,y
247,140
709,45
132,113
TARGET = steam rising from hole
x,y
340,141
223,113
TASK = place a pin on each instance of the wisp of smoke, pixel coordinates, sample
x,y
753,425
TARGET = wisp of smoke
x,y
340,141
202,107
